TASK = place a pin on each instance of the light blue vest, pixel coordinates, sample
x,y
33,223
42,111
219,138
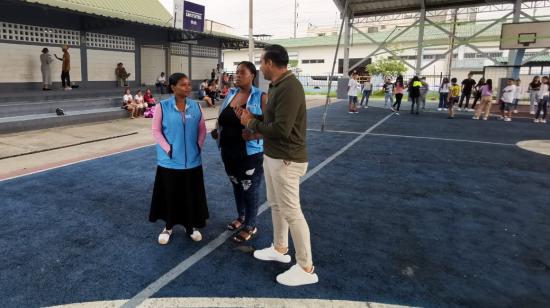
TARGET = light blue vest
x,y
254,105
181,134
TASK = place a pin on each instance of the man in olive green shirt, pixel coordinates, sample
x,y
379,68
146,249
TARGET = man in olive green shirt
x,y
283,128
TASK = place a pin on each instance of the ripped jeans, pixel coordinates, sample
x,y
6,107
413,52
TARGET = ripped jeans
x,y
245,174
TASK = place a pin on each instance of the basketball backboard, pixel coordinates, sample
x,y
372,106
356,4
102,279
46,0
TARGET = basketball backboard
x,y
525,35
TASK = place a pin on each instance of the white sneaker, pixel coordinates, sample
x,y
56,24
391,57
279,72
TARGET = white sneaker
x,y
516,111
67,88
531,112
445,109
543,121
470,110
350,112
439,109
296,276
270,254
507,119
485,119
396,113
475,118
196,236
366,107
164,236
535,120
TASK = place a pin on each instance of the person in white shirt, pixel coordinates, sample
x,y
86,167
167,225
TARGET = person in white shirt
x,y
45,67
161,83
353,86
367,90
141,105
443,94
517,96
543,101
128,103
507,100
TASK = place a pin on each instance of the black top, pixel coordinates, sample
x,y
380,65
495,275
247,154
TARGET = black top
x,y
231,140
468,84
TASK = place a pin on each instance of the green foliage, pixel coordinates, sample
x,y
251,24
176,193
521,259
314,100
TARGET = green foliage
x,y
387,67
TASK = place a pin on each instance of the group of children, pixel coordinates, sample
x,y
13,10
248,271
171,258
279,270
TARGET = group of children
x,y
508,102
417,89
138,104
453,96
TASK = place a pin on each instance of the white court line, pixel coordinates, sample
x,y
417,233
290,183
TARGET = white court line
x,y
444,139
334,131
218,241
75,162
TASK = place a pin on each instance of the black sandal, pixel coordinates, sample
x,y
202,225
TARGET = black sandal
x,y
245,235
235,224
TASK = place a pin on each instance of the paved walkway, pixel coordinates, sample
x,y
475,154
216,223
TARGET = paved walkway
x,y
33,151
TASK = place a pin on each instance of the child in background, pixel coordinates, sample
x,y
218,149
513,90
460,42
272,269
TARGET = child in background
x,y
149,99
388,90
353,86
366,90
128,103
140,103
424,92
543,101
486,94
507,99
517,95
454,95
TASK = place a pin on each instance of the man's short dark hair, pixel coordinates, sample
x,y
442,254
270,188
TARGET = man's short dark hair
x,y
277,54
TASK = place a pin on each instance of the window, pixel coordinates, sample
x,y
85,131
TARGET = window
x,y
26,33
313,61
372,29
179,49
107,41
476,55
204,51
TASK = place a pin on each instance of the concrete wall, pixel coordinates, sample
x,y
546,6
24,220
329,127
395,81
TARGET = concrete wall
x,y
180,64
21,63
202,67
102,64
153,62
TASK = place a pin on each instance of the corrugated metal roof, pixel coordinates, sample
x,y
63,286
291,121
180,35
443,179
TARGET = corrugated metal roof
x,y
149,12
432,36
387,7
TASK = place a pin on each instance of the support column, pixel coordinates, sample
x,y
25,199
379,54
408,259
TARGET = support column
x,y
419,51
168,55
515,57
250,32
83,57
346,43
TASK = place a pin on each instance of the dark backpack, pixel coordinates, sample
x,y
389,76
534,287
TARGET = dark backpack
x,y
59,111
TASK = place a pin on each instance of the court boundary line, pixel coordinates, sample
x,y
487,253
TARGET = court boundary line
x,y
184,265
444,139
76,162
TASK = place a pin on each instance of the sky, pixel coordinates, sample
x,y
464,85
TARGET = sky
x,y
270,17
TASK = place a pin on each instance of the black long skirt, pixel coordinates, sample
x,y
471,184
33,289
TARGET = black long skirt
x,y
179,198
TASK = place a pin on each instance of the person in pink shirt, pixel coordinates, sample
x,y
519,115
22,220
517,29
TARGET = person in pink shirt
x,y
179,129
484,106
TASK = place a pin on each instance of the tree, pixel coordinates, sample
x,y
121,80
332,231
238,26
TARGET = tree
x,y
387,67
293,64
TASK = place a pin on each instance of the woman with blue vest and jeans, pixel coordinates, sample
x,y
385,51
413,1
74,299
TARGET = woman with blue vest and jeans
x,y
179,196
242,149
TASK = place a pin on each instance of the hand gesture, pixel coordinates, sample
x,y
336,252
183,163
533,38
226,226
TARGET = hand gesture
x,y
245,116
214,134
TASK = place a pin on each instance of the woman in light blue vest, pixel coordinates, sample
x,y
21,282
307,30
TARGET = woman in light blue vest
x,y
179,129
242,150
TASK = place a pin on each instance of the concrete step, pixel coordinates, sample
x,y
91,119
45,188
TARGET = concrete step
x,y
13,109
46,120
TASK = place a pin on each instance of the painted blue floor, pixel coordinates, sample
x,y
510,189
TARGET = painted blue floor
x,y
393,220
